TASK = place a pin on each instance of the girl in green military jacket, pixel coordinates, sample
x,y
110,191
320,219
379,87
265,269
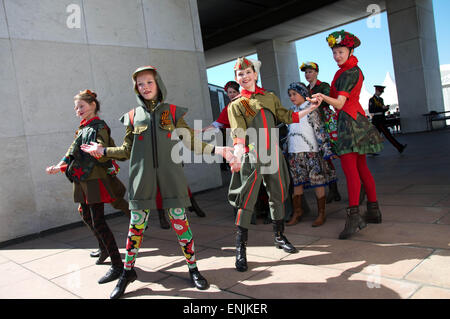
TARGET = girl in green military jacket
x,y
156,180
94,180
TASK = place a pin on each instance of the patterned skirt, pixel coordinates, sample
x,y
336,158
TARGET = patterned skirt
x,y
310,170
358,136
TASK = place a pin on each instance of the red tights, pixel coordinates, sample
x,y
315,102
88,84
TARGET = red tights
x,y
355,169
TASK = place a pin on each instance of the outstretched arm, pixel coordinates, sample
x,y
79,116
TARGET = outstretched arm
x,y
336,103
119,153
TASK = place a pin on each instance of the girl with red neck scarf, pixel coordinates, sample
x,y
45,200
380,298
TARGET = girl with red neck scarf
x,y
356,135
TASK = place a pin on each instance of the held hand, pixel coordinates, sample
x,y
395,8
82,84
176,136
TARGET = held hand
x,y
54,169
94,149
225,151
236,161
315,101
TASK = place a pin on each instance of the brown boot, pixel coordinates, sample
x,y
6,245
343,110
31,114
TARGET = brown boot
x,y
321,211
297,210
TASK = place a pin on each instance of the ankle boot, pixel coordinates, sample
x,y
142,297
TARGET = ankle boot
x,y
333,193
241,249
163,223
373,214
112,274
321,211
127,277
280,241
197,279
196,208
102,257
353,223
362,194
297,210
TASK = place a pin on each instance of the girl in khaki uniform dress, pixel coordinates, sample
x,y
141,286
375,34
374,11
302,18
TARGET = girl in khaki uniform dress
x,y
94,180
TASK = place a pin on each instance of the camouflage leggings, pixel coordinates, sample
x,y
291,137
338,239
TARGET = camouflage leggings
x,y
138,223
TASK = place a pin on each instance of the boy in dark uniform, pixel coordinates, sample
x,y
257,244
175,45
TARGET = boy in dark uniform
x,y
377,108
257,156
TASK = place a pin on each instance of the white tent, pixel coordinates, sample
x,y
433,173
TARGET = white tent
x,y
390,96
364,98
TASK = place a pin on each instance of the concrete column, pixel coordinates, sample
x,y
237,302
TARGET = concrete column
x,y
279,67
52,49
416,61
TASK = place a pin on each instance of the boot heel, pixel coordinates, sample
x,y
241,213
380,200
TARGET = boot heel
x,y
362,225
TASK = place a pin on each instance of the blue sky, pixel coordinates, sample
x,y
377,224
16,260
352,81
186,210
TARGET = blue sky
x,y
374,55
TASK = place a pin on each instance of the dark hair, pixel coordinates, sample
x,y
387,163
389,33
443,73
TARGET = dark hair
x,y
88,96
232,84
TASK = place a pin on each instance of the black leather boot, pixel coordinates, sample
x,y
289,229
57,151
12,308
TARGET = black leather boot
x,y
353,223
163,223
102,257
241,249
281,242
196,208
373,214
333,193
127,277
197,279
112,274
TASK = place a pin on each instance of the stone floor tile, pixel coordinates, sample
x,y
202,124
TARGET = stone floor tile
x,y
35,288
218,267
305,281
412,234
33,249
15,274
361,257
63,263
411,199
429,292
434,270
179,288
405,214
83,283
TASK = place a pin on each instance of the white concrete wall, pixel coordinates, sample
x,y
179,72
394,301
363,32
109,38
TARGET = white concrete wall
x,y
45,63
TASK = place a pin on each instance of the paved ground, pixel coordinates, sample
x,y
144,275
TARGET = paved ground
x,y
407,256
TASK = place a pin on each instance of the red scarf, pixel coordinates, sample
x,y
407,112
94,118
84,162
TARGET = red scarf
x,y
351,106
248,94
351,62
84,122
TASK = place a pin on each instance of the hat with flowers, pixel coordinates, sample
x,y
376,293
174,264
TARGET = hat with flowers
x,y
309,65
344,39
